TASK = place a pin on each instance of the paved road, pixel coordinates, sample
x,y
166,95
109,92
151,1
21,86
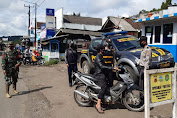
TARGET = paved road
x,y
15,106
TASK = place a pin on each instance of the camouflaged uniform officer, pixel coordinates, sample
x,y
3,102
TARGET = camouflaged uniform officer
x,y
145,59
10,64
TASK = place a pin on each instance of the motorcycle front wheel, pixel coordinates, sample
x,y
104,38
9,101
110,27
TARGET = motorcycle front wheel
x,y
134,100
81,101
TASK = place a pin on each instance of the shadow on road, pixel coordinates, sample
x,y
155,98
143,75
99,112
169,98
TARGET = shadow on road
x,y
31,91
114,106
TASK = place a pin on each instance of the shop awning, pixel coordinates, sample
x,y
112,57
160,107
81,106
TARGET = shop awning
x,y
55,37
152,18
75,31
44,43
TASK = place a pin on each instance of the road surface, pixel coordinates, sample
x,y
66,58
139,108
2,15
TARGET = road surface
x,y
44,93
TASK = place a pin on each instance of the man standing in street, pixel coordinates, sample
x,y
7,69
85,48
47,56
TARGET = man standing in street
x,y
10,64
71,61
145,59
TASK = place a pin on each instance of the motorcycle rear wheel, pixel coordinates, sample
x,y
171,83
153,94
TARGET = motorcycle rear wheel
x,y
79,99
134,100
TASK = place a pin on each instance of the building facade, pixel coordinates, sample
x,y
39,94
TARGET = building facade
x,y
161,30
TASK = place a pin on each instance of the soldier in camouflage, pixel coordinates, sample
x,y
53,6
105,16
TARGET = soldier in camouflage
x,y
10,64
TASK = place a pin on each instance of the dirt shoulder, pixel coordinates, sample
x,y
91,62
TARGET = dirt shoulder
x,y
49,96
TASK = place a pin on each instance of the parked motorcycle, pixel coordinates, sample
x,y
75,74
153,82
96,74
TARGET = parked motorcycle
x,y
124,91
38,60
27,60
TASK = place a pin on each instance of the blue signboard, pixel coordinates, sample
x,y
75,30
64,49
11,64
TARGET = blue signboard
x,y
50,33
50,12
43,26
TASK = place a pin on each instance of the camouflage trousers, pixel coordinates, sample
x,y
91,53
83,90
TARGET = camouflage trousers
x,y
11,77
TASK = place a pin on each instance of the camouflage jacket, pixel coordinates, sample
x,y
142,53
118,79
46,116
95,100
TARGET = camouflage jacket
x,y
10,59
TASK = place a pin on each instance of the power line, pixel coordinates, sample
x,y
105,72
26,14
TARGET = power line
x,y
38,5
41,3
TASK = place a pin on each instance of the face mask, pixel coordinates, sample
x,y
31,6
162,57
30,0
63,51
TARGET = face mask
x,y
108,44
142,45
72,46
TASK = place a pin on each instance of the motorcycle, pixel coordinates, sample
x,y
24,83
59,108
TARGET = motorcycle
x,y
39,60
26,60
124,91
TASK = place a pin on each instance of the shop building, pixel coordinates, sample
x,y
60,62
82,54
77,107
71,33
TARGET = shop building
x,y
70,27
161,30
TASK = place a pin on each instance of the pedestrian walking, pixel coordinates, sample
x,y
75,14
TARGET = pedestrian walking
x,y
71,61
10,65
145,59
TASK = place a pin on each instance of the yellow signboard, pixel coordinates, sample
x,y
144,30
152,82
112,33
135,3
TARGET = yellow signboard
x,y
161,87
126,39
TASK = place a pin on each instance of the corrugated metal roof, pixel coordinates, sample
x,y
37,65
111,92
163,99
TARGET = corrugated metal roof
x,y
121,23
82,20
75,31
133,24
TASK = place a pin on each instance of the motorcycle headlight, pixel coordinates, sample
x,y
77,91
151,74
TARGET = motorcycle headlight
x,y
170,55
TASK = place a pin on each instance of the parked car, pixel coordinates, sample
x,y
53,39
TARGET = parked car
x,y
127,53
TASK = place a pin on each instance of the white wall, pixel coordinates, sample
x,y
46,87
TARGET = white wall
x,y
160,23
175,32
59,18
104,20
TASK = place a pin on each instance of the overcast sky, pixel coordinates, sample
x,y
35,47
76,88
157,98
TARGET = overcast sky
x,y
14,17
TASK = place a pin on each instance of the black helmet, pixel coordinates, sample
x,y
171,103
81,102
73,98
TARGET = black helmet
x,y
143,38
71,44
100,47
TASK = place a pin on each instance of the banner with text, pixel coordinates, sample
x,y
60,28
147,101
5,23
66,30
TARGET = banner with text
x,y
161,87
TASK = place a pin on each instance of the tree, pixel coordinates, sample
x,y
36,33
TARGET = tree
x,y
154,9
163,5
168,2
74,14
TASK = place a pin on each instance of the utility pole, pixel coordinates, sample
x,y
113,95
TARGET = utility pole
x,y
35,21
29,19
35,27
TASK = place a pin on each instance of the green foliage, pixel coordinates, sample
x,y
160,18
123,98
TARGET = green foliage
x,y
163,6
168,2
17,41
51,62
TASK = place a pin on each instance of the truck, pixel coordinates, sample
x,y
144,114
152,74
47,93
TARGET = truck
x,y
127,51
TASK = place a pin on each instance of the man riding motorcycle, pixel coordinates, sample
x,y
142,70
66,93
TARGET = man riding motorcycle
x,y
99,74
108,52
26,55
